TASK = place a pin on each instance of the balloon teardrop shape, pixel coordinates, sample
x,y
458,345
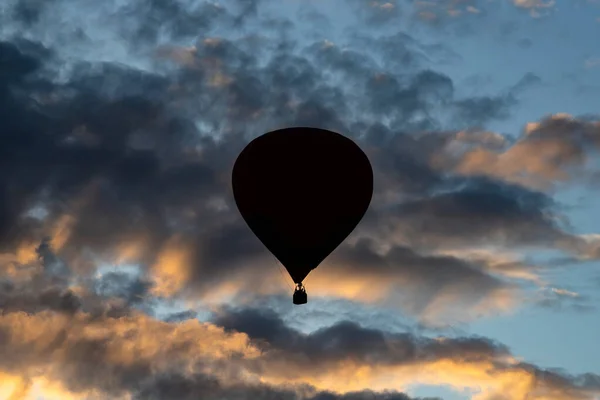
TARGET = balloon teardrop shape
x,y
302,191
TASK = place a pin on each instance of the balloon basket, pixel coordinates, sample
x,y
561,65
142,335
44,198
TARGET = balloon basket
x,y
300,296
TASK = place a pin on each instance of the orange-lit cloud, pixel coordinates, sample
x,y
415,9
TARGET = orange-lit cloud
x,y
56,355
555,150
172,268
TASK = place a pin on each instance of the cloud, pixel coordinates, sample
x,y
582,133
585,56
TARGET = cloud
x,y
423,284
122,156
77,353
557,149
134,168
133,354
356,345
556,298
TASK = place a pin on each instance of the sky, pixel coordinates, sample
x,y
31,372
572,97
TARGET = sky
x,y
126,271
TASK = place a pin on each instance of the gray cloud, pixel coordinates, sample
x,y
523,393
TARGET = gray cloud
x,y
496,213
184,387
348,340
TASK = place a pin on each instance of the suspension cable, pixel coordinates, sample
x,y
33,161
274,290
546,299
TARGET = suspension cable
x,y
281,272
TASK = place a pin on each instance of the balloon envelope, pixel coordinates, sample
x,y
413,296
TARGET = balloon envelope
x,y
302,191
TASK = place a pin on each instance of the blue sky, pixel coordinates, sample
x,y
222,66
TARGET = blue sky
x,y
476,268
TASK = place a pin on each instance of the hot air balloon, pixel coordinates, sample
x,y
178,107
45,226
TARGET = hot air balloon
x,y
302,191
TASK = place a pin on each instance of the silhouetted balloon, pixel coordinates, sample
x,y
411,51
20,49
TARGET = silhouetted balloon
x,y
302,191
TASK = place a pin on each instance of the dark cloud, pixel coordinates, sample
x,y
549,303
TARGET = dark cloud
x,y
15,65
47,285
438,207
186,387
14,299
479,111
348,340
181,316
420,279
497,213
409,106
121,285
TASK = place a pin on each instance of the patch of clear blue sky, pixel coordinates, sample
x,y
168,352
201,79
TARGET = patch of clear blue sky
x,y
443,392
